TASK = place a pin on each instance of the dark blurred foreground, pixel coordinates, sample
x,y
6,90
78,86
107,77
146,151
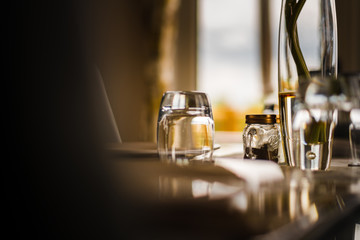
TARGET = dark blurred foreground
x,y
56,182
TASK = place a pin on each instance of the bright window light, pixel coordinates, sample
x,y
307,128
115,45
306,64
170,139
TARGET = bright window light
x,y
229,67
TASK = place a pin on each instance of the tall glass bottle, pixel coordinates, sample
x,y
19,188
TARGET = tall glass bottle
x,y
307,48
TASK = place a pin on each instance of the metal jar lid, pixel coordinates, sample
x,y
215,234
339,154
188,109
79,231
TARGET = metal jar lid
x,y
261,118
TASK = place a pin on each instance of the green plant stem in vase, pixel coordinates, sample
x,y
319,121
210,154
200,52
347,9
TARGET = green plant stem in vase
x,y
292,11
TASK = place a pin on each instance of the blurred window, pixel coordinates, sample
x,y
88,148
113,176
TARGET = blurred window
x,y
229,58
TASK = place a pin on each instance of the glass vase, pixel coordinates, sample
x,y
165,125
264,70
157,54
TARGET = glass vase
x,y
307,57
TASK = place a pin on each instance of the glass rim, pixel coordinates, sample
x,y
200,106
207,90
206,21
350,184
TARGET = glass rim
x,y
185,100
184,92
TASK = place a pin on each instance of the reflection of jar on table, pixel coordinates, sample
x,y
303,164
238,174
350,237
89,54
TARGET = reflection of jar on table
x,y
261,137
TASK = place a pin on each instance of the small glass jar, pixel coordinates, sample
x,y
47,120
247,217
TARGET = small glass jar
x,y
261,137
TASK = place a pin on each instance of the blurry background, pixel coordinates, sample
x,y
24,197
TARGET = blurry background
x,y
227,48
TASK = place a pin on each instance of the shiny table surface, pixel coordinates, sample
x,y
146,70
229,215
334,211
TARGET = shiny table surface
x,y
235,198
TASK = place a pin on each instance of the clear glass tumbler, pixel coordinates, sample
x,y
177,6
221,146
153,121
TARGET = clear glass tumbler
x,y
349,102
352,91
185,128
354,134
314,120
